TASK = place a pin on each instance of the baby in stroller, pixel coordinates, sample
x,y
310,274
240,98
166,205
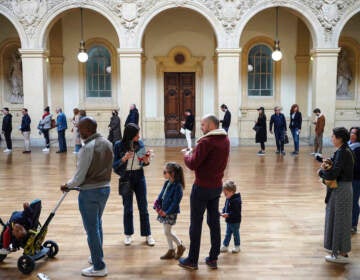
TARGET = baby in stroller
x,y
15,231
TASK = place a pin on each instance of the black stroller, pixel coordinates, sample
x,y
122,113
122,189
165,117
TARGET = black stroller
x,y
33,244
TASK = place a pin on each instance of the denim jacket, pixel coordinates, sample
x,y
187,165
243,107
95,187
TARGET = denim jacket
x,y
120,150
170,204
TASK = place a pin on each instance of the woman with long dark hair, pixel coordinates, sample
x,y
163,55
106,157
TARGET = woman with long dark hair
x,y
339,199
261,131
295,126
130,157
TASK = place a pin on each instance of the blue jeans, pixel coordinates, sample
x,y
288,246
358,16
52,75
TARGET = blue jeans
x,y
232,229
91,205
62,140
138,184
356,209
202,199
77,147
295,135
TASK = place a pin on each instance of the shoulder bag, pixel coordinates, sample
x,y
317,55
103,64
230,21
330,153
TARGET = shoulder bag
x,y
125,187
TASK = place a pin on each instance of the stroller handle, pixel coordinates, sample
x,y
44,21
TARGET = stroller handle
x,y
62,199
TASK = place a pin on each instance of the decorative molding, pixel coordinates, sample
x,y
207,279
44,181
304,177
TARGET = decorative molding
x,y
229,12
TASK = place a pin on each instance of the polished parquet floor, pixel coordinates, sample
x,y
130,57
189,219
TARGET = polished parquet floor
x,y
281,231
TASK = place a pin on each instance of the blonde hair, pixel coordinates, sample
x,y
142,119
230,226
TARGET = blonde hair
x,y
229,186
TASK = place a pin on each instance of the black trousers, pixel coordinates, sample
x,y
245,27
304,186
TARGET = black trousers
x,y
47,138
7,135
202,199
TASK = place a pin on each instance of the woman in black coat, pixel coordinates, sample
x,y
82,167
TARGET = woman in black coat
x,y
261,131
114,128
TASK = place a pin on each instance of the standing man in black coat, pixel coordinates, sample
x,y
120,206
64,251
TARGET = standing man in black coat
x,y
225,123
25,130
6,129
279,122
133,116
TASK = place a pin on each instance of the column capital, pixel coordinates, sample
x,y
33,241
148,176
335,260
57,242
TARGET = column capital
x,y
228,52
56,60
331,52
33,53
130,52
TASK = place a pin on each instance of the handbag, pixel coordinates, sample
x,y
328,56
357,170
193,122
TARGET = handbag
x,y
125,187
256,128
286,139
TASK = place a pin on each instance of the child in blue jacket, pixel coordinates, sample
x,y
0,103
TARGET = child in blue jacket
x,y
167,206
232,214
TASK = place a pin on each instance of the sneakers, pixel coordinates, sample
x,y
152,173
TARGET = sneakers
x,y
180,251
150,240
224,249
261,153
337,259
211,263
353,230
170,254
127,240
4,251
313,153
295,153
235,250
185,263
283,153
90,260
46,150
7,151
277,152
91,272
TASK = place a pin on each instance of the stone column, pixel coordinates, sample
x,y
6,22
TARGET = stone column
x,y
130,61
228,86
324,85
35,86
57,84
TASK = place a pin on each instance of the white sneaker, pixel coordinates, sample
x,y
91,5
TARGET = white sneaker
x,y
313,153
46,150
150,240
184,150
7,151
224,249
127,240
91,272
4,251
337,259
235,250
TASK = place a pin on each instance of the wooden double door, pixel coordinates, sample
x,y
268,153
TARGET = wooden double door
x,y
179,91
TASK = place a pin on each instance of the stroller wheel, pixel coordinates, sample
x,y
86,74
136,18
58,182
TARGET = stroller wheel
x,y
53,248
2,257
26,264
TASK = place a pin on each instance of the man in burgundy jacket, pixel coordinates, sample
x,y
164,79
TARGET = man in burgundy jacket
x,y
208,160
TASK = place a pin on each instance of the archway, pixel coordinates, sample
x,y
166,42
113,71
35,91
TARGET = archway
x,y
267,83
348,71
71,83
177,41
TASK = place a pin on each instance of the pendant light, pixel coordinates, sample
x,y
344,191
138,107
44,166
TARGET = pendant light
x,y
82,55
276,54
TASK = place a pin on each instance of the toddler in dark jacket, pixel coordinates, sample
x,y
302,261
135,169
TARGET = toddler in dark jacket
x,y
232,214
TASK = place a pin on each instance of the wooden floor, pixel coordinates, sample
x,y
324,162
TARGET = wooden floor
x,y
281,231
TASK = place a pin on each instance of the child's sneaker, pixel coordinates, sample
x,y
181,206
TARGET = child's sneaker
x,y
170,254
224,249
180,251
235,250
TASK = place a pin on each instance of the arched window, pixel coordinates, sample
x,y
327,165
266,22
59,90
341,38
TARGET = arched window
x,y
98,72
260,71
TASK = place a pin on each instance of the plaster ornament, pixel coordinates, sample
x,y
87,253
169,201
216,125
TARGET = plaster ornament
x,y
29,13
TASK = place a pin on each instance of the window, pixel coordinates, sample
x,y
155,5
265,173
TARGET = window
x,y
98,72
260,71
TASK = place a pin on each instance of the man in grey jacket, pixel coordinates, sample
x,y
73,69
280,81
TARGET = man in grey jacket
x,y
92,176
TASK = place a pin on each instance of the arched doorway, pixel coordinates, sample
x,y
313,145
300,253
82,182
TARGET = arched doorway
x,y
178,71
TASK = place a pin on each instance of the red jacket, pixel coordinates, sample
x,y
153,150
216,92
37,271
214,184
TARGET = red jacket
x,y
209,159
